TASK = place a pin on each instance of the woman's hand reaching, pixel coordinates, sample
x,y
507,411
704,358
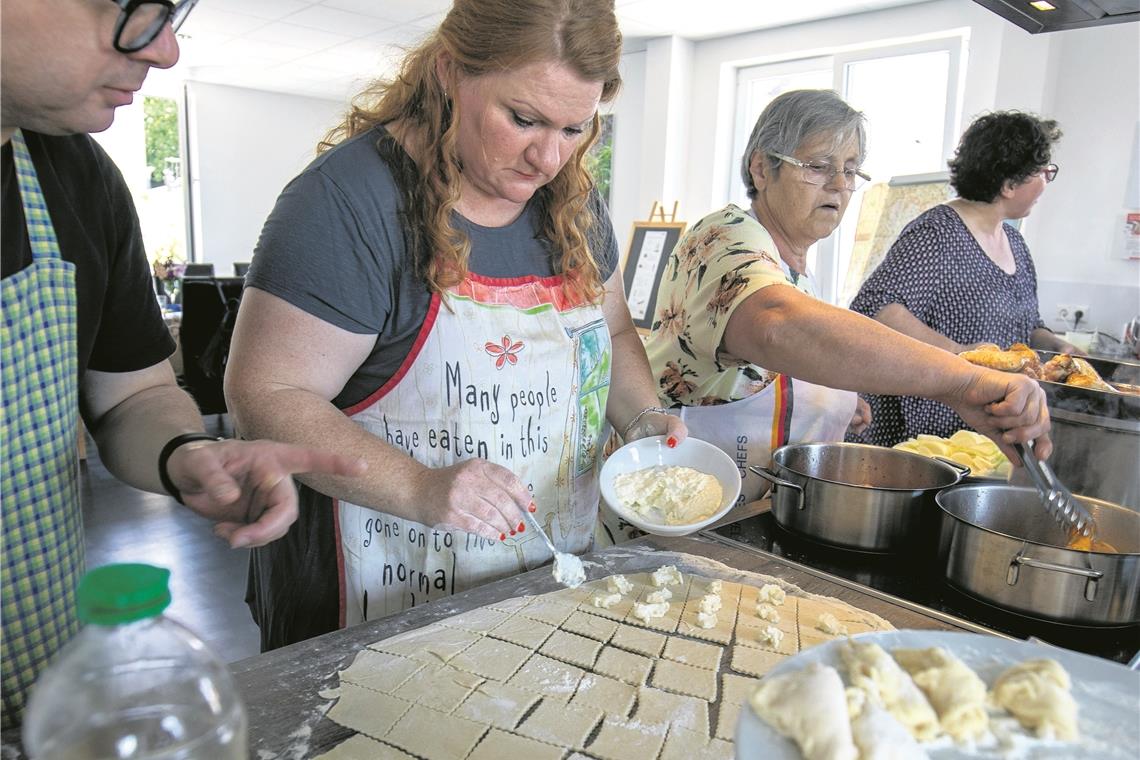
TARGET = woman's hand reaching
x,y
474,496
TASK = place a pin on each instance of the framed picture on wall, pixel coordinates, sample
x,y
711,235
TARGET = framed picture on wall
x,y
649,247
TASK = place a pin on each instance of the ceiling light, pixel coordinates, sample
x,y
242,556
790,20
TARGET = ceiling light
x,y
1043,5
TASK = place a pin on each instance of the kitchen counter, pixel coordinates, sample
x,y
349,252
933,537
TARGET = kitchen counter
x,y
282,688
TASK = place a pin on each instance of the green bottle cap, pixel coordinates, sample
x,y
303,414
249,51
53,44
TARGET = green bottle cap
x,y
115,594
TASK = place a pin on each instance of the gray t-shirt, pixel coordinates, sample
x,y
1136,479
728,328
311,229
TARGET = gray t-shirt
x,y
334,246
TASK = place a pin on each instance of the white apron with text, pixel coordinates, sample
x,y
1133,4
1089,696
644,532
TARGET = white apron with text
x,y
517,373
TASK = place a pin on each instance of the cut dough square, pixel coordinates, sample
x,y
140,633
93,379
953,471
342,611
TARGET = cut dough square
x,y
511,604
523,631
704,656
810,637
379,670
491,658
435,735
656,706
735,690
638,640
685,679
498,704
726,721
547,611
366,711
478,620
550,678
624,666
721,633
811,609
360,747
560,724
753,661
434,647
497,745
570,596
572,648
683,744
442,688
592,626
608,694
621,740
755,636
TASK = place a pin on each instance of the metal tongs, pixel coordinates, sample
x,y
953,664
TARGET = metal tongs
x,y
1057,499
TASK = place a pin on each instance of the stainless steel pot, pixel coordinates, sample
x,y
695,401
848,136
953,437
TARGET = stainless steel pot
x,y
857,496
997,543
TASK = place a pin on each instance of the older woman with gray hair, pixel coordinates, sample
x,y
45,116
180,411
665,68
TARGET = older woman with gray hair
x,y
747,353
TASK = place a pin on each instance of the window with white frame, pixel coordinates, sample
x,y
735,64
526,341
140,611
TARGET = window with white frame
x,y
911,96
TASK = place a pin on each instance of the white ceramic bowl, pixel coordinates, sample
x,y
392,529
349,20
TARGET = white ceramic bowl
x,y
651,452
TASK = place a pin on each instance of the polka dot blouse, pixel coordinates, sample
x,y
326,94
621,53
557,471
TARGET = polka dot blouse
x,y
939,272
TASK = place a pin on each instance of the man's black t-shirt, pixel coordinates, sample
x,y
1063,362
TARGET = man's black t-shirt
x,y
119,324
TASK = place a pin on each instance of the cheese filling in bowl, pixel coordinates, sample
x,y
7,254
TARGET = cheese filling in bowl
x,y
678,495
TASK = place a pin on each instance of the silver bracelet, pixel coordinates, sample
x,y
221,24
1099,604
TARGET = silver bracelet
x,y
637,417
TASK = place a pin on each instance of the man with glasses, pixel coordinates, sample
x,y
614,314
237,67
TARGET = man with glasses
x,y
81,328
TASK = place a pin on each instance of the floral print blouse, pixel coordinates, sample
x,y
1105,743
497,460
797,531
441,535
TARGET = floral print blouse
x,y
722,259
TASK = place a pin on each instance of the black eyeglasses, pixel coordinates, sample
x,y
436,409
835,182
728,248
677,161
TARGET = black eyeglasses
x,y
140,21
1049,172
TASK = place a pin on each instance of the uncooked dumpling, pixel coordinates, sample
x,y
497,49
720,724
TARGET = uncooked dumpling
x,y
809,707
875,731
1036,692
872,669
954,690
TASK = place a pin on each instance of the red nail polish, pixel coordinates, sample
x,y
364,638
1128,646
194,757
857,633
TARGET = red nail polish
x,y
522,527
533,507
671,442
502,536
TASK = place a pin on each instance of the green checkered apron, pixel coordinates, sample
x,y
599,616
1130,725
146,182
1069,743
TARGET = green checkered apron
x,y
43,522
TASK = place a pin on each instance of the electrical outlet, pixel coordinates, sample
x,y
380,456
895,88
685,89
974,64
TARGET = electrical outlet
x,y
1073,316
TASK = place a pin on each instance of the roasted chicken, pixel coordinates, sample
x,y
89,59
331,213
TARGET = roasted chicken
x,y
1075,371
1062,368
1018,358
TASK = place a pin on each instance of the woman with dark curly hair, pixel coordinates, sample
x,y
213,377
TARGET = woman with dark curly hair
x,y
438,292
958,275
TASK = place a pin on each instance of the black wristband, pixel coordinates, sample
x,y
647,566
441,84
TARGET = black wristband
x,y
168,449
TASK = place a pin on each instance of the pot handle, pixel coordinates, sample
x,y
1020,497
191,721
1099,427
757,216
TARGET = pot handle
x,y
963,470
775,480
1093,576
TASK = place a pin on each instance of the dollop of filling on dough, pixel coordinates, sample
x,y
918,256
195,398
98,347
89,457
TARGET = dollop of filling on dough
x,y
647,612
667,575
568,570
618,584
829,624
658,596
677,495
605,601
715,586
772,594
706,619
770,635
767,612
710,603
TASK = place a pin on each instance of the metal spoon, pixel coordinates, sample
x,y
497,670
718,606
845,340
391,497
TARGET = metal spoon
x,y
1057,499
568,568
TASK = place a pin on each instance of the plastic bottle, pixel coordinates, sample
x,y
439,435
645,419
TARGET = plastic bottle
x,y
133,683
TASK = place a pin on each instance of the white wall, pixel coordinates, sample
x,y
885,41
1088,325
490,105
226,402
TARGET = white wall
x,y
1095,96
245,145
1087,79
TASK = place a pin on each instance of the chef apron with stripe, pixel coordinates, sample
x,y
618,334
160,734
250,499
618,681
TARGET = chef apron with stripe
x,y
42,520
508,370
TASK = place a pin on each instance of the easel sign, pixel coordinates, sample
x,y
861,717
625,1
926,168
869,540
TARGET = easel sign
x,y
650,245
